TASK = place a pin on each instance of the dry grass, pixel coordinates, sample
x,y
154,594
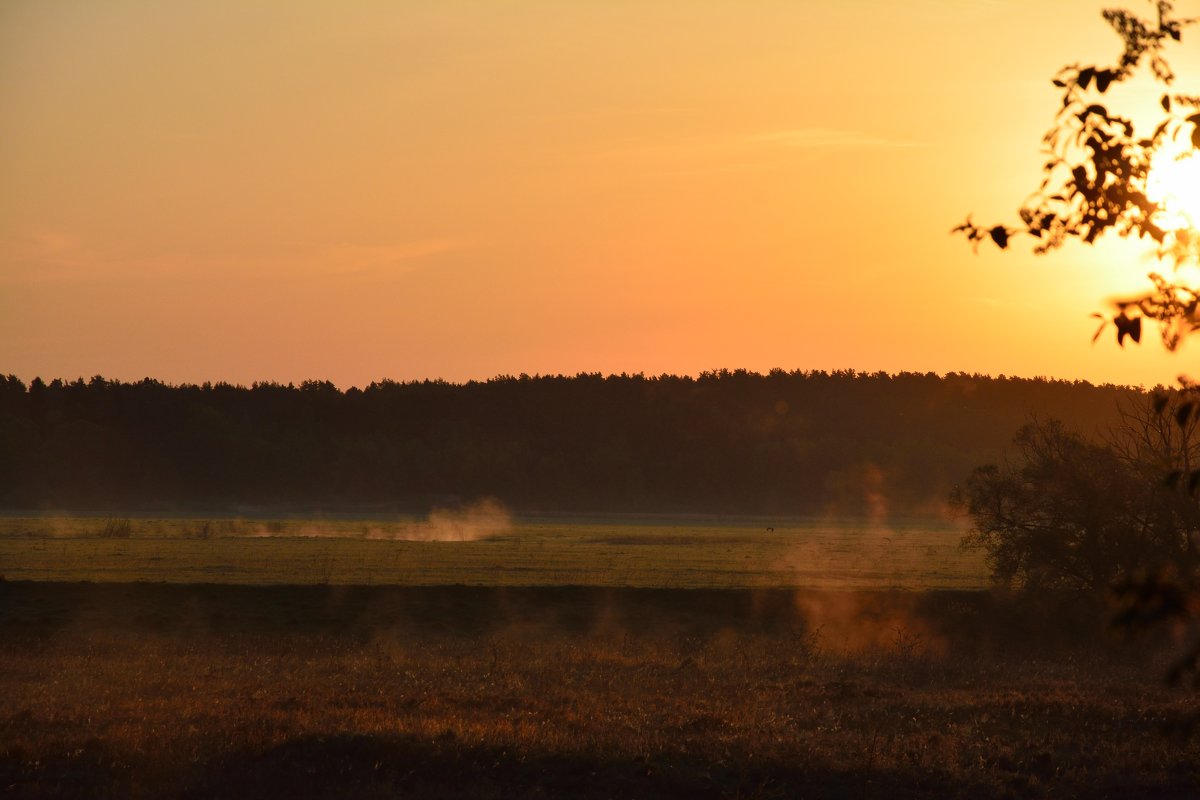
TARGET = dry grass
x,y
144,691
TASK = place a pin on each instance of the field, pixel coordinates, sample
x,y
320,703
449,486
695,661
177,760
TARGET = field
x,y
670,670
656,552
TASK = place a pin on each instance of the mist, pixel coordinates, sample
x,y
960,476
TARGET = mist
x,y
483,519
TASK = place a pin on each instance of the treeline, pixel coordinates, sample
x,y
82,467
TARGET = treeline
x,y
725,442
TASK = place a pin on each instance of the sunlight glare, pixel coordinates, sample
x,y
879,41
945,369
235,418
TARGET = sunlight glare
x,y
1174,182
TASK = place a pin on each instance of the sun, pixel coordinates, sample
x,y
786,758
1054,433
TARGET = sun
x,y
1174,183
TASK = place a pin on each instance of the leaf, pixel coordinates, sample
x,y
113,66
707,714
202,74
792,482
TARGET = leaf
x,y
1103,79
999,235
1085,77
1166,102
1128,326
1160,403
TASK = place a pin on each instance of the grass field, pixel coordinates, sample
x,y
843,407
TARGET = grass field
x,y
594,658
679,553
169,690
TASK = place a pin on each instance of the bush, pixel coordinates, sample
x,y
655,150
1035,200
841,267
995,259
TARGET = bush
x,y
1071,513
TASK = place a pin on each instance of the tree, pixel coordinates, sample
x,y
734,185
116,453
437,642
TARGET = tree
x,y
1054,518
1071,513
1099,174
1098,179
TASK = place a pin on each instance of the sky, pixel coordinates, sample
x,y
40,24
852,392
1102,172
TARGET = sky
x,y
280,191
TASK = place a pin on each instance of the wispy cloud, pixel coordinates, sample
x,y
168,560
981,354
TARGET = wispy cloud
x,y
826,138
348,259
48,247
719,169
741,152
49,256
39,255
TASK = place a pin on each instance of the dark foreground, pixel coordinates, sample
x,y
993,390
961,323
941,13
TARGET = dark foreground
x,y
146,690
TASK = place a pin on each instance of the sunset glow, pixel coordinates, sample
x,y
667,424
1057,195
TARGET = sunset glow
x,y
599,398
465,189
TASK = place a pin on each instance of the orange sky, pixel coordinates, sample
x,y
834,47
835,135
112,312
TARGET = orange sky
x,y
285,190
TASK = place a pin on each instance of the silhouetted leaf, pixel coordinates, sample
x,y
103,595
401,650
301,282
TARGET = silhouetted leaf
x,y
1166,102
999,235
1160,403
1128,326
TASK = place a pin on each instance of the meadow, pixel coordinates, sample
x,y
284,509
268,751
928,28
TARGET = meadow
x,y
560,658
701,552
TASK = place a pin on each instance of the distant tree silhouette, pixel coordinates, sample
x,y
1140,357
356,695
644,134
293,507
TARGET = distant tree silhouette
x,y
723,442
1072,512
1054,517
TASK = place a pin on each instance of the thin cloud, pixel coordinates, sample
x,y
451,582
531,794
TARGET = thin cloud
x,y
707,154
826,138
346,259
42,255
715,170
55,256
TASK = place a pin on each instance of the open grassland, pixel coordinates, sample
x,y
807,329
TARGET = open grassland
x,y
594,658
110,690
913,554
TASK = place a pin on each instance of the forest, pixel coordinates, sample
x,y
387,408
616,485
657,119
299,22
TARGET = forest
x,y
727,442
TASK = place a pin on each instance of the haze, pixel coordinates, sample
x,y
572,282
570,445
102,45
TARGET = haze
x,y
279,191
